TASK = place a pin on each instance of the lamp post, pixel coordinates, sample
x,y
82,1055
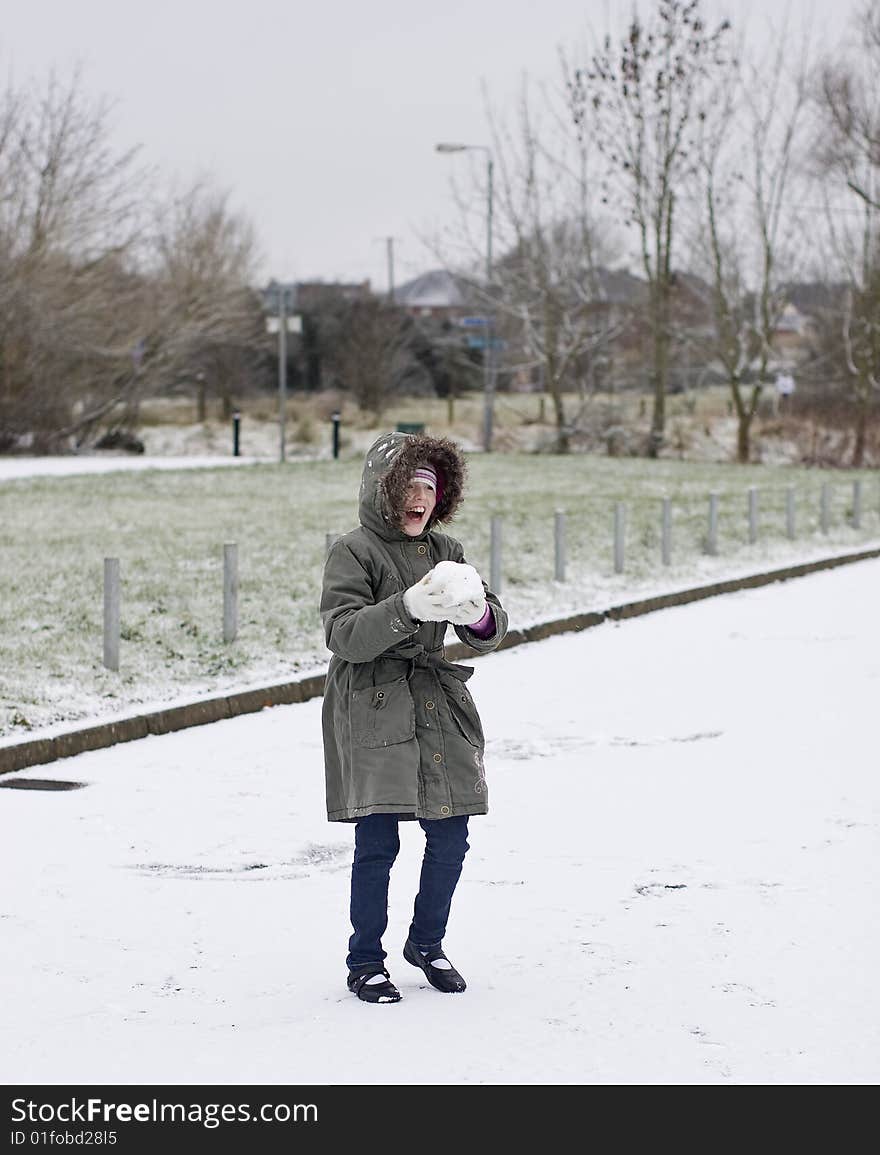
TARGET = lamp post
x,y
489,354
283,325
282,368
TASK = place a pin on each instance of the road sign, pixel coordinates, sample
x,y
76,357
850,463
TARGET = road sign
x,y
293,325
473,322
480,342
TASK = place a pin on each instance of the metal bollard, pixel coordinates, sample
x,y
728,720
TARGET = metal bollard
x,y
111,613
789,512
230,592
857,505
335,418
753,515
236,429
712,535
559,542
619,535
495,554
666,532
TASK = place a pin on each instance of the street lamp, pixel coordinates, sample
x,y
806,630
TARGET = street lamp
x,y
489,356
282,324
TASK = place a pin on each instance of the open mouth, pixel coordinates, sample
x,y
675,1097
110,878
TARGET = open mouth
x,y
415,515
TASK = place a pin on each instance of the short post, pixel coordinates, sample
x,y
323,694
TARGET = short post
x,y
825,508
857,505
236,429
111,613
789,512
559,541
753,514
619,534
666,532
230,591
335,418
712,535
495,554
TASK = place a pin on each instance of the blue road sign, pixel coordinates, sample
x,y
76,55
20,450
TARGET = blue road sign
x,y
473,322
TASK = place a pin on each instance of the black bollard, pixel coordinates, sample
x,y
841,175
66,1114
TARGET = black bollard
x,y
335,418
236,427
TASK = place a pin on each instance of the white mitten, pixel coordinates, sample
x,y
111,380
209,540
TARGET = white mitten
x,y
468,612
424,603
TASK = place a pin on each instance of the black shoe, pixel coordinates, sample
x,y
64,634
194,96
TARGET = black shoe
x,y
385,992
443,978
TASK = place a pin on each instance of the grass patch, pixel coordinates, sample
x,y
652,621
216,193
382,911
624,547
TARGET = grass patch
x,y
168,530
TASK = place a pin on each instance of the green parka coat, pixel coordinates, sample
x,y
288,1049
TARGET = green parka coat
x,y
401,732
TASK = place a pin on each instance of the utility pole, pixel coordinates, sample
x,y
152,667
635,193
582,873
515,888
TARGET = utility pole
x,y
281,321
389,257
489,408
389,241
489,349
282,365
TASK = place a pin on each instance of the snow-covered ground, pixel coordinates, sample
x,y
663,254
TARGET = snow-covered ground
x,y
676,882
13,468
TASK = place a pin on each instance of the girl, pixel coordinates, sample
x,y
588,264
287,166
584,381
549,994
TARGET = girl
x,y
402,736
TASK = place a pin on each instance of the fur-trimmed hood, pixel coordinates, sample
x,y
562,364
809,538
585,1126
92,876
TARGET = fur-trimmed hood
x,y
390,463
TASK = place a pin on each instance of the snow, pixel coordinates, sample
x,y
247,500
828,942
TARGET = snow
x,y
14,468
452,591
675,883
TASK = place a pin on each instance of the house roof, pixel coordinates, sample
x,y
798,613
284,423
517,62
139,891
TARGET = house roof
x,y
437,289
813,297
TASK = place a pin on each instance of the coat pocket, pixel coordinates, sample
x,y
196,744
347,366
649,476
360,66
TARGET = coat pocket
x,y
464,711
382,715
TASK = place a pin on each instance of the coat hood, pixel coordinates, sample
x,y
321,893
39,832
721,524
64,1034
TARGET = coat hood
x,y
390,463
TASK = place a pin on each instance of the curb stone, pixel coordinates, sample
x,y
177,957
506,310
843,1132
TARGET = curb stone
x,y
39,751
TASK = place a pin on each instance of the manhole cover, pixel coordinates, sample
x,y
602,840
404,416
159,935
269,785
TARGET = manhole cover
x,y
40,784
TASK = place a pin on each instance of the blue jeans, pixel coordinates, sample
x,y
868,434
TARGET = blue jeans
x,y
376,844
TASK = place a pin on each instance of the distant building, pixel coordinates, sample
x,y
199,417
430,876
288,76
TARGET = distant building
x,y
306,296
437,293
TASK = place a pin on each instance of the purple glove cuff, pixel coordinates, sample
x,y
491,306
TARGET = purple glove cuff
x,y
485,627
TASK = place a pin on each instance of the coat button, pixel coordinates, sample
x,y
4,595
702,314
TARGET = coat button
x,y
429,705
422,549
438,757
380,694
444,809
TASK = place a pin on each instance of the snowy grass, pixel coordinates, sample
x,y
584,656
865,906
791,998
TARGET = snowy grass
x,y
168,529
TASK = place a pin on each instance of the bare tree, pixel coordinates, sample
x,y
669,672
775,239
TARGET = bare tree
x,y
547,297
848,150
749,231
549,288
206,327
69,224
849,98
367,345
642,101
95,306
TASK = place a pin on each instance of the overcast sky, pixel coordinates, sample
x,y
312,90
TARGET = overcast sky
x,y
321,116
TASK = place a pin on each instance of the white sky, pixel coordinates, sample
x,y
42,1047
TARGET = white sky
x,y
321,117
675,884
